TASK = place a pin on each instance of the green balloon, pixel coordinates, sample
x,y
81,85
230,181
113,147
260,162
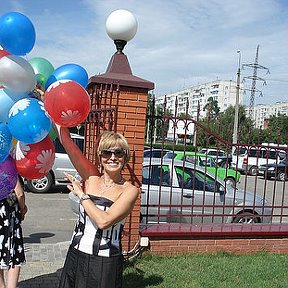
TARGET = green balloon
x,y
43,67
41,79
52,134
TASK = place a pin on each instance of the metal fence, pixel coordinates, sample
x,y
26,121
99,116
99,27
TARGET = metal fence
x,y
192,173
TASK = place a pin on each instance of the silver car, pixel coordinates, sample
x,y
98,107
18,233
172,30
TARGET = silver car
x,y
177,191
62,164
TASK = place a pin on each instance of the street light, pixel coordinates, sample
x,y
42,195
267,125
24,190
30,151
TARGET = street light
x,y
121,26
236,116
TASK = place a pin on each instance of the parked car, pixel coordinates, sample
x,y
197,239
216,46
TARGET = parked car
x,y
62,164
221,157
230,176
177,191
251,158
279,171
154,153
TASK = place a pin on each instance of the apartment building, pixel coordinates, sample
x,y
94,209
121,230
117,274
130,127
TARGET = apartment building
x,y
262,112
224,91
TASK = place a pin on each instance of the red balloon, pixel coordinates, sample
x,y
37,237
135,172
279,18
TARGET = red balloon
x,y
3,53
67,103
34,161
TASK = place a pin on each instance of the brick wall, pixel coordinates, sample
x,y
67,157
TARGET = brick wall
x,y
238,246
131,118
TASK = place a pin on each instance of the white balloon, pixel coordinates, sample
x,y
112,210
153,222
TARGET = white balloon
x,y
16,74
121,25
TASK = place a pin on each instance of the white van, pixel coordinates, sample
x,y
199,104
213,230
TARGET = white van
x,y
250,158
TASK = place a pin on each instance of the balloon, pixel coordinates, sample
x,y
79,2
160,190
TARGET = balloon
x,y
7,100
16,96
17,33
5,141
16,74
69,72
41,80
67,103
34,161
8,177
3,53
28,121
52,134
42,69
6,104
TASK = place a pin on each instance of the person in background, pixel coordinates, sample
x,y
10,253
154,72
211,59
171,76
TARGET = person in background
x,y
12,256
95,258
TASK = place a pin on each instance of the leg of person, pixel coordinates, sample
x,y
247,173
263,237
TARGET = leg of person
x,y
13,276
2,280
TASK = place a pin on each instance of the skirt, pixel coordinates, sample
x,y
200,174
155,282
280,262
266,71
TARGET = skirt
x,y
11,237
82,270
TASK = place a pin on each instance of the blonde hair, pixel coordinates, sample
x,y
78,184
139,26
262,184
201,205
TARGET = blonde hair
x,y
110,139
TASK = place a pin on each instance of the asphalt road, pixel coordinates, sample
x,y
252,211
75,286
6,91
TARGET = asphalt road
x,y
49,218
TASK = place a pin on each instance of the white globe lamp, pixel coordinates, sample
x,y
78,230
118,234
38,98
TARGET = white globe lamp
x,y
121,26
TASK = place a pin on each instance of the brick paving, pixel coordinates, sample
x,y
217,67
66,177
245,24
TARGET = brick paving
x,y
44,264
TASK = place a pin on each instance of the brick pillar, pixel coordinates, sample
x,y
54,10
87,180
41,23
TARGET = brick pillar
x,y
130,102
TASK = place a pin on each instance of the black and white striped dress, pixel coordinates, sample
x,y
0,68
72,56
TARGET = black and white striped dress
x,y
95,256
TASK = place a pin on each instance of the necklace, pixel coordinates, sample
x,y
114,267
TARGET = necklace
x,y
108,187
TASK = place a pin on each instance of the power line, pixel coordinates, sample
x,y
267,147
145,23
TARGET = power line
x,y
253,79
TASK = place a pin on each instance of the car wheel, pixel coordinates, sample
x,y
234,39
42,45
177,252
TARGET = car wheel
x,y
41,185
253,171
246,218
230,181
281,176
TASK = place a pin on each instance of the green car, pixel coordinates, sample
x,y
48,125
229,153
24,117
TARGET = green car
x,y
230,176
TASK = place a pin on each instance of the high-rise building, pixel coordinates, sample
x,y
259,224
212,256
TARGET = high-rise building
x,y
262,112
224,91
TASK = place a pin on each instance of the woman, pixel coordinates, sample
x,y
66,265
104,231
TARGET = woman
x,y
94,258
12,212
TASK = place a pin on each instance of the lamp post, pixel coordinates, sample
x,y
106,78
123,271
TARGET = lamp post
x,y
236,116
121,26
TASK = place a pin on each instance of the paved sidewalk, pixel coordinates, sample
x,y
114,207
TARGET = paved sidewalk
x,y
44,264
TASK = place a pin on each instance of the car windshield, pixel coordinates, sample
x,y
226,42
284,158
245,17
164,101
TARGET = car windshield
x,y
196,180
169,155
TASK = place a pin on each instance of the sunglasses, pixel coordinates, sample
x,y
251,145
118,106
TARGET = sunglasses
x,y
119,153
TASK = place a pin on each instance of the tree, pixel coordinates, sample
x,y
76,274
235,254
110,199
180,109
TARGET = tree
x,y
212,107
227,123
277,129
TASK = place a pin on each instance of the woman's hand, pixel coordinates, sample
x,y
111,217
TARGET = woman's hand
x,y
76,186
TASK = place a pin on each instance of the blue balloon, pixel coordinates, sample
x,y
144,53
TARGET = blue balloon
x,y
28,121
16,96
17,33
73,72
6,104
5,142
7,100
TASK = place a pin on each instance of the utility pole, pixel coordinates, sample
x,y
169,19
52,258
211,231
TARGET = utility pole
x,y
236,116
254,78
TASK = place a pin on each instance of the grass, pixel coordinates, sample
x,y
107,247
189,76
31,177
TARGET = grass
x,y
220,270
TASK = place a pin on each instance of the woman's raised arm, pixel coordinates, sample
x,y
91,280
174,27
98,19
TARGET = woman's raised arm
x,y
84,167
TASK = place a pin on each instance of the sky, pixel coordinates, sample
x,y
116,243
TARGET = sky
x,y
178,44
